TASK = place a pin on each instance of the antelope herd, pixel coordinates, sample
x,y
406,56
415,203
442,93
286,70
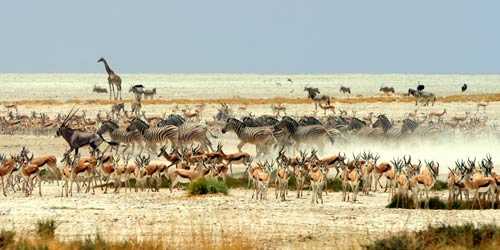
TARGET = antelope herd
x,y
286,147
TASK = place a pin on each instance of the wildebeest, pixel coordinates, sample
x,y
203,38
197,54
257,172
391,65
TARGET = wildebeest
x,y
387,89
312,93
344,89
99,89
77,138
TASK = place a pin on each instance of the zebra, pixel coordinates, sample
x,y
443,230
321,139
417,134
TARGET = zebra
x,y
422,96
121,135
189,132
136,105
412,126
282,138
389,129
152,136
116,108
262,137
311,134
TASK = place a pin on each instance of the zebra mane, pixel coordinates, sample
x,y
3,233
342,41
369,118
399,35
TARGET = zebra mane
x,y
112,124
290,123
143,123
249,122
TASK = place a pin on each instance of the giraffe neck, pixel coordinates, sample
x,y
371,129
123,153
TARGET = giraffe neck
x,y
108,69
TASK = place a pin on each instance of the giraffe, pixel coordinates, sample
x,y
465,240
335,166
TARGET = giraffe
x,y
113,79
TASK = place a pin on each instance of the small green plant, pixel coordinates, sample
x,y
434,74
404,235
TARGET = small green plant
x,y
46,228
440,185
406,202
206,186
6,238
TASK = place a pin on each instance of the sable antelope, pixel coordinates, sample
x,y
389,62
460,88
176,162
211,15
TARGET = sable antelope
x,y
387,90
149,93
482,105
313,95
78,138
344,89
99,89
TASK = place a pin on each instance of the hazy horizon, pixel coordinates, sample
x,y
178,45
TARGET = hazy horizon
x,y
257,37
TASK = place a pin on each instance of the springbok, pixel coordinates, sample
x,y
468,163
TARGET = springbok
x,y
482,105
282,178
424,182
476,184
318,180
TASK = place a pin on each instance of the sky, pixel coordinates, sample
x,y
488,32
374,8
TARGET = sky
x,y
257,36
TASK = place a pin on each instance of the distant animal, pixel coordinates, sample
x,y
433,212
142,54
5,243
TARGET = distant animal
x,y
289,80
137,89
114,81
345,89
422,96
387,89
149,93
312,93
464,87
420,87
99,89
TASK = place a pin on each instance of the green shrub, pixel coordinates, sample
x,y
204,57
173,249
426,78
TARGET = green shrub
x,y
206,186
46,228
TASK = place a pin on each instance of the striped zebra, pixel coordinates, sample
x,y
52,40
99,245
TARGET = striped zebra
x,y
121,135
311,134
422,96
282,138
360,128
189,132
152,136
389,130
428,132
262,137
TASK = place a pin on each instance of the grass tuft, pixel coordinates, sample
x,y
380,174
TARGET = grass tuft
x,y
406,202
6,238
206,186
444,237
46,228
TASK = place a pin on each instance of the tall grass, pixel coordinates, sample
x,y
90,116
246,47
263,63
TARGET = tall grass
x,y
206,186
444,237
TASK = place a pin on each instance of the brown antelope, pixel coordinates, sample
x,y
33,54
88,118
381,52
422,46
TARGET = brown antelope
x,y
249,169
29,172
461,118
318,180
413,114
84,168
191,116
456,186
367,173
184,176
334,161
282,178
173,157
6,169
350,178
277,109
439,115
482,105
380,170
424,182
392,177
41,161
477,184
107,169
219,170
236,158
66,175
300,172
326,107
242,109
261,178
